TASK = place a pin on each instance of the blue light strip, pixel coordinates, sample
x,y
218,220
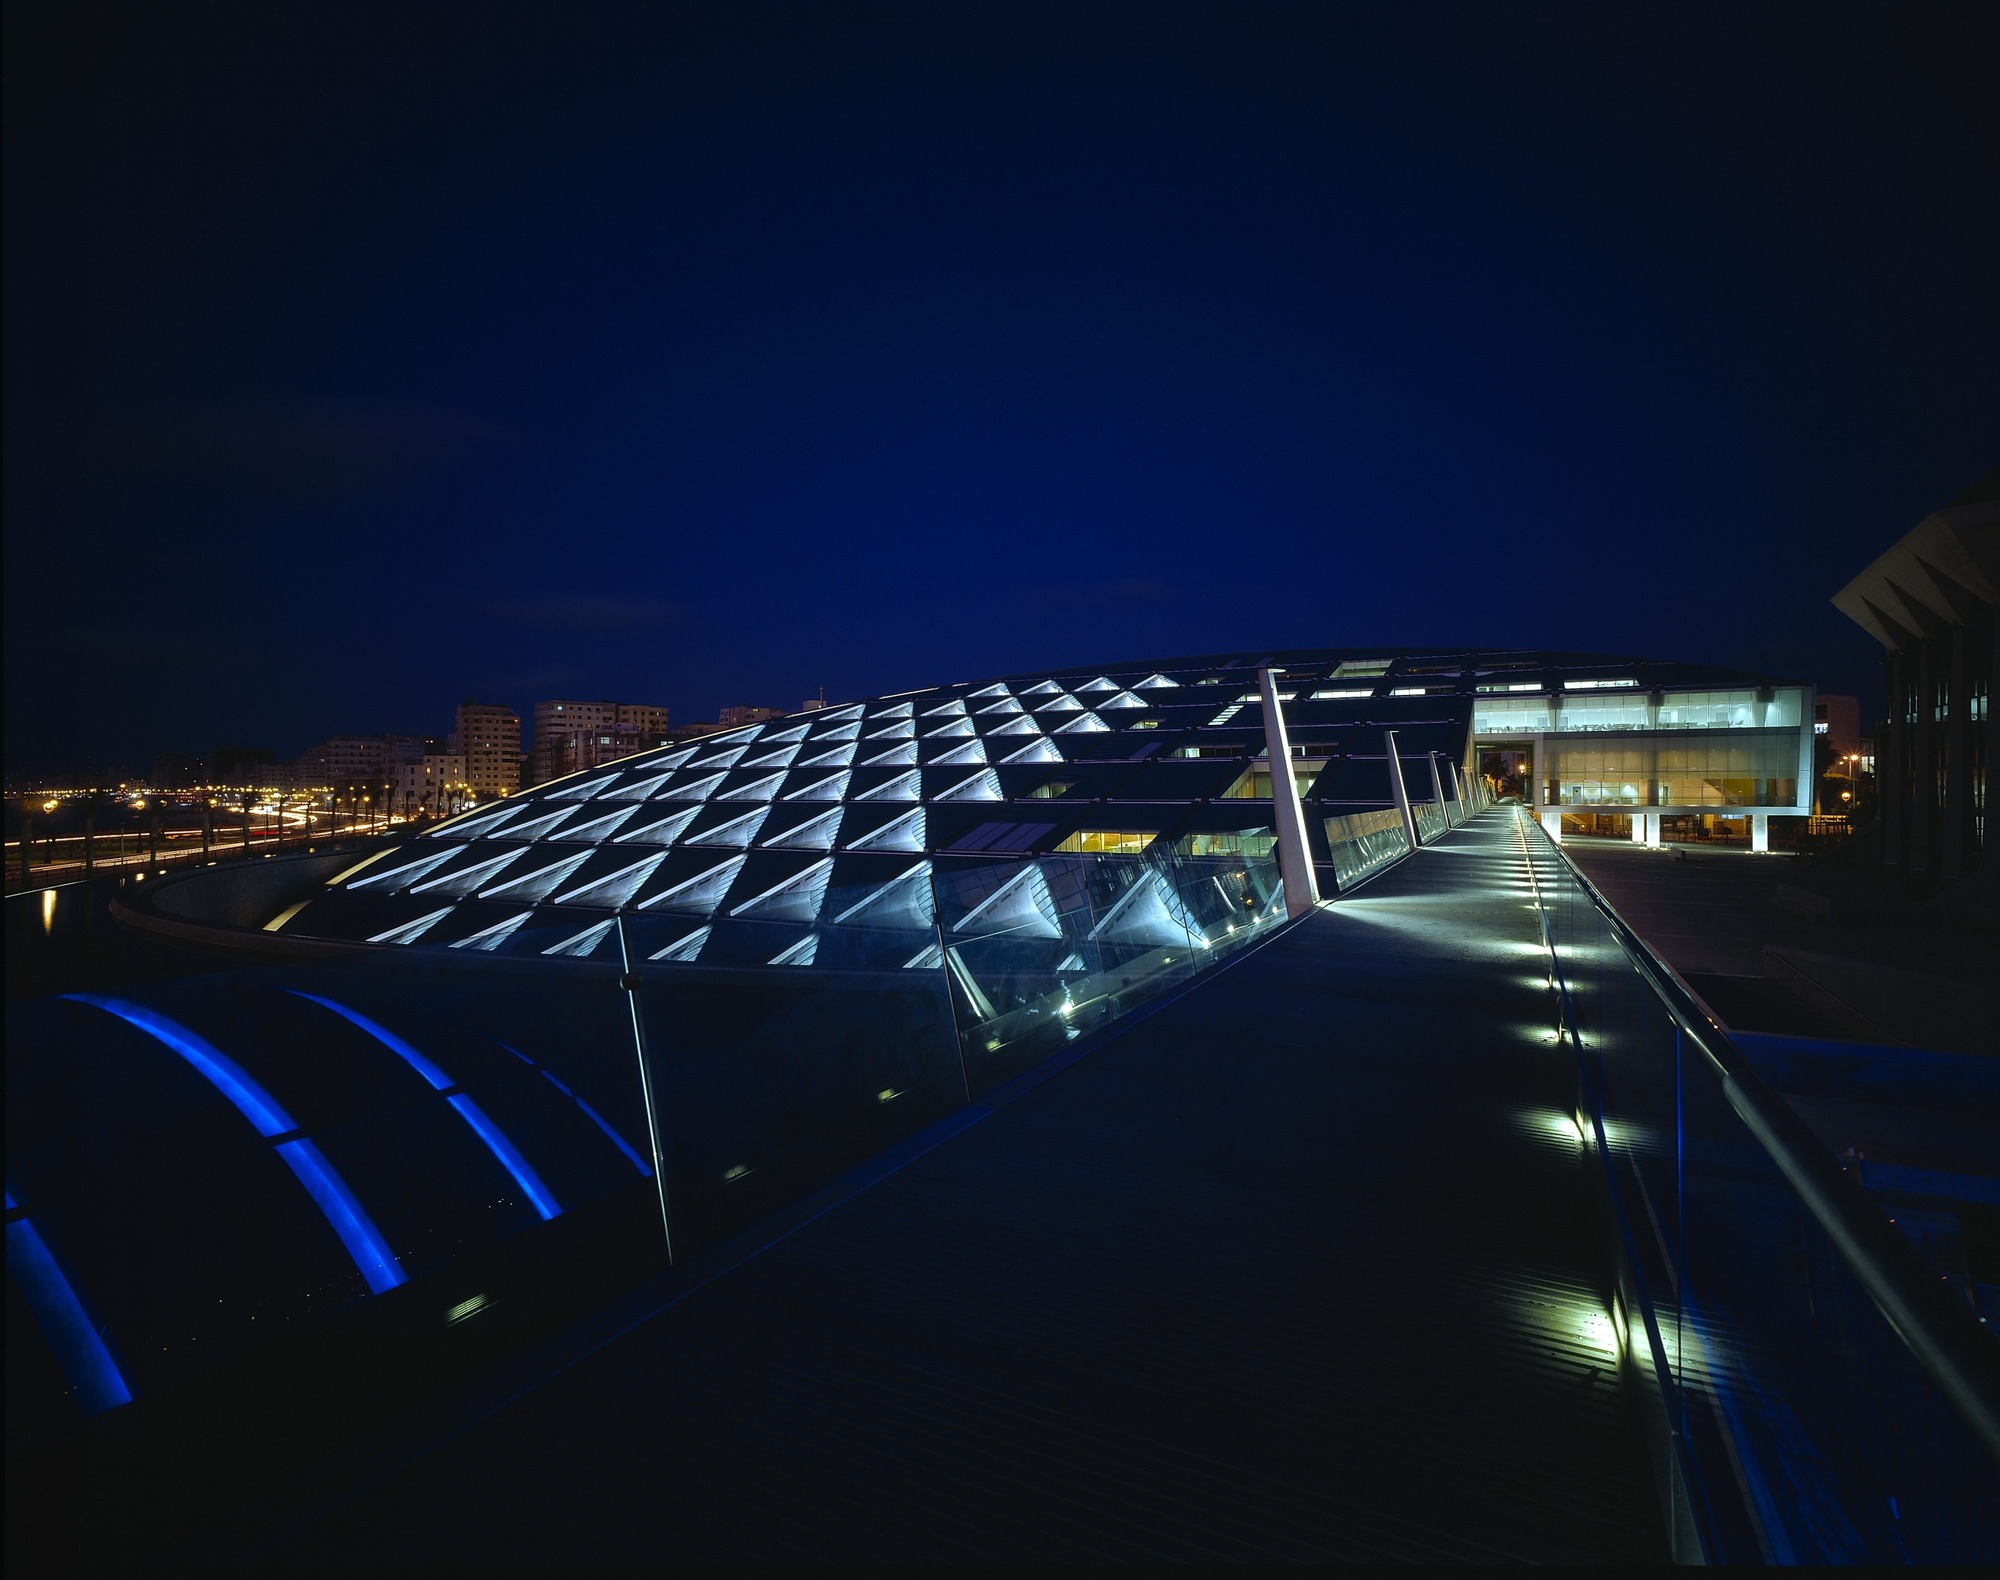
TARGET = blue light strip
x,y
504,1150
596,1118
92,1374
602,1123
496,1141
329,1192
386,1037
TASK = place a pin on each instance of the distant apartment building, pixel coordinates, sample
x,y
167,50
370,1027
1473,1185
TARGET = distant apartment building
x,y
353,765
488,736
571,735
433,784
743,713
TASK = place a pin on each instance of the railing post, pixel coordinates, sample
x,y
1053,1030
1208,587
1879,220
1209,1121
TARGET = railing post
x,y
1437,793
629,981
1402,790
1294,859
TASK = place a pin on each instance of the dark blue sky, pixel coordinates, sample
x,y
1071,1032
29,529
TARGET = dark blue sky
x,y
361,360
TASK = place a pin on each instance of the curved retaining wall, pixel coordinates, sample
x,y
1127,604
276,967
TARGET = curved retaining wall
x,y
226,906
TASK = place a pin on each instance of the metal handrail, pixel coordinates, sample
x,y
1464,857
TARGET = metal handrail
x,y
1945,1338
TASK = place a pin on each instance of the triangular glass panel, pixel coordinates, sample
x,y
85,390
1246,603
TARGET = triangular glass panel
x,y
757,790
817,833
781,758
1040,750
737,832
683,949
839,732
672,760
841,756
402,877
904,901
1063,704
637,789
997,689
851,711
479,827
895,730
796,732
900,710
616,888
692,789
733,737
459,884
1155,683
1021,726
973,751
903,833
1022,907
1148,913
536,827
929,958
582,944
1005,705
947,710
904,787
583,791
797,899
664,832
597,830
1124,699
902,755
1083,724
699,894
410,932
1041,688
540,883
487,939
831,788
1099,684
952,730
982,786
723,759
800,953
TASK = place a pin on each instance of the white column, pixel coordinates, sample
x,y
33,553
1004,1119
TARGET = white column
x,y
1402,790
1760,831
1653,830
1552,823
1638,828
1294,859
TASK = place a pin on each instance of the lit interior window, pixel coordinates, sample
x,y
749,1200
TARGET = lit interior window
x,y
1107,842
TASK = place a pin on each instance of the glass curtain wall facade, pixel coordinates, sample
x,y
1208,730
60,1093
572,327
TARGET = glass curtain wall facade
x,y
1640,744
1931,601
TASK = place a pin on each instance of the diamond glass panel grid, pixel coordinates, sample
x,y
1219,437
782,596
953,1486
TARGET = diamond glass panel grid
x,y
695,830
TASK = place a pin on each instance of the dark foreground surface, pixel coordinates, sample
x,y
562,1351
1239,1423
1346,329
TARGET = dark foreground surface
x,y
1300,1266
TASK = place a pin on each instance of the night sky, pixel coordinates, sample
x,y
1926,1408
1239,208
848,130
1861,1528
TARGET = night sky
x,y
361,360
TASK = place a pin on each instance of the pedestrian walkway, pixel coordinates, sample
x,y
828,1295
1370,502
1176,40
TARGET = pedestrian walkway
x,y
1304,1265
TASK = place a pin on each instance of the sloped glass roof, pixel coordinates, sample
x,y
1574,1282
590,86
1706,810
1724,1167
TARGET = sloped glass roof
x,y
789,807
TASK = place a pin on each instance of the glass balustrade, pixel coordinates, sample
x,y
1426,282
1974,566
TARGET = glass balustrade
x,y
1806,1428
